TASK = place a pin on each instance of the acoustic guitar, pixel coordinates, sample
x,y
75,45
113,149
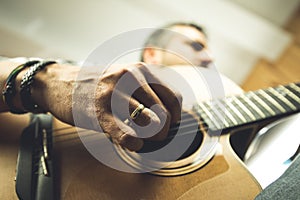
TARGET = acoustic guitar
x,y
221,175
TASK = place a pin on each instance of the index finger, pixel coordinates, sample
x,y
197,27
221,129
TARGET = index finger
x,y
170,98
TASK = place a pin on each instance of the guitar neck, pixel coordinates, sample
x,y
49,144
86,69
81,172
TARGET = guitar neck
x,y
250,107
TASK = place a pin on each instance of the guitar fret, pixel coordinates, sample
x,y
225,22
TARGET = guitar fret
x,y
229,115
270,99
249,107
236,112
250,103
262,103
295,87
294,90
244,108
279,100
209,115
217,118
282,98
288,92
218,112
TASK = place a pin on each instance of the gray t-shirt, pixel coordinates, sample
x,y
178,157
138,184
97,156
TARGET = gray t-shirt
x,y
286,187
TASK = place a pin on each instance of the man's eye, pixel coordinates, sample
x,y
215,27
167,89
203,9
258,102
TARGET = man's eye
x,y
197,46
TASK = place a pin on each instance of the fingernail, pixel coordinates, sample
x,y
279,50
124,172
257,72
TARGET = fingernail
x,y
153,117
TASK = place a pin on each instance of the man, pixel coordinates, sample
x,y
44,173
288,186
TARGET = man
x,y
165,47
186,44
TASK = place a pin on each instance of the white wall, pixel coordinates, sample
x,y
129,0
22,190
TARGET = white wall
x,y
276,11
72,29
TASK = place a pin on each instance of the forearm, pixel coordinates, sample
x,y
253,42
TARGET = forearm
x,y
102,101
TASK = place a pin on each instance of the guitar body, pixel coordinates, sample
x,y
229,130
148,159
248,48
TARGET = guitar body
x,y
81,176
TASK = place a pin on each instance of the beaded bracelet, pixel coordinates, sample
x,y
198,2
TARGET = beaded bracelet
x,y
9,90
26,83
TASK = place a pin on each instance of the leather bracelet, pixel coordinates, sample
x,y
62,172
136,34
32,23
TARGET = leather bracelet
x,y
9,90
26,83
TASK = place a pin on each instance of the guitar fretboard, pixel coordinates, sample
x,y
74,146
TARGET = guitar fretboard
x,y
250,107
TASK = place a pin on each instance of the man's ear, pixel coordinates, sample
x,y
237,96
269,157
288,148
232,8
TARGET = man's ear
x,y
152,56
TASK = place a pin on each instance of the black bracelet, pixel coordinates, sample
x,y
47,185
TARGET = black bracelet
x,y
27,80
9,90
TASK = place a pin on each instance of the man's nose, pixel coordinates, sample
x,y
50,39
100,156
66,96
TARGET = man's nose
x,y
205,57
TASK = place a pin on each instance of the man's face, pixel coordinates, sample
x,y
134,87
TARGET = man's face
x,y
186,48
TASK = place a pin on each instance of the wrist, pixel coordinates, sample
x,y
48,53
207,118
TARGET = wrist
x,y
16,84
26,86
42,84
52,90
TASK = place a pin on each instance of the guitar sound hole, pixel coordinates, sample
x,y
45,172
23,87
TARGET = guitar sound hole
x,y
189,131
187,148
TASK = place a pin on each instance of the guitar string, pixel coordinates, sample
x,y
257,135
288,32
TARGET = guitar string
x,y
201,123
95,133
172,129
208,107
72,127
91,134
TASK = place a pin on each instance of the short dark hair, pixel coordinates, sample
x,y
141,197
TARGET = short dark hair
x,y
160,37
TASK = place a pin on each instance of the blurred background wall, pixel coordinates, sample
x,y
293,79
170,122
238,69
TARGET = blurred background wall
x,y
241,32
